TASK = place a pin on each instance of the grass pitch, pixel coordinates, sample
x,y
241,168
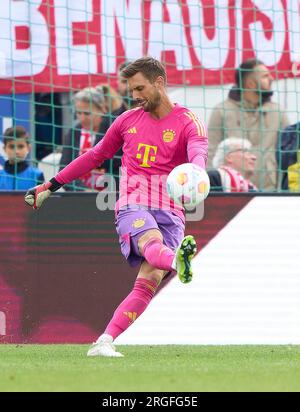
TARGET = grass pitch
x,y
150,368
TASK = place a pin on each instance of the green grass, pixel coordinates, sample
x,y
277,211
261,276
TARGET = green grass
x,y
150,368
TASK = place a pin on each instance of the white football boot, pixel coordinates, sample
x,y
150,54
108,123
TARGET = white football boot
x,y
104,347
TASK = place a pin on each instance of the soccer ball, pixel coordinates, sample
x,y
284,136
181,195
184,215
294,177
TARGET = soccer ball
x,y
188,185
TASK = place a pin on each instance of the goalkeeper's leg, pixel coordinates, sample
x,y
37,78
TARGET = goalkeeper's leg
x,y
139,298
159,259
161,256
129,310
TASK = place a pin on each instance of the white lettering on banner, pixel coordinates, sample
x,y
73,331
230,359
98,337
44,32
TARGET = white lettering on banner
x,y
132,28
269,51
293,7
168,36
71,58
26,61
212,53
2,324
128,16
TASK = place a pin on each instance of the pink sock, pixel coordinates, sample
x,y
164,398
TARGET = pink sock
x,y
131,307
158,254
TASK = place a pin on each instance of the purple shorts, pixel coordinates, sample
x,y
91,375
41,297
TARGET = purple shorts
x,y
133,222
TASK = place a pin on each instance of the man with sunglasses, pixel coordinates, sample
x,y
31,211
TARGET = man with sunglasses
x,y
17,173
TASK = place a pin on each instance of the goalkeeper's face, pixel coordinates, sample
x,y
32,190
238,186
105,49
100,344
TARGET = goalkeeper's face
x,y
147,95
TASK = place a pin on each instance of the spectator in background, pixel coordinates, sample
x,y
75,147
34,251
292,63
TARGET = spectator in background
x,y
115,106
288,158
17,173
234,164
114,101
89,104
122,87
249,113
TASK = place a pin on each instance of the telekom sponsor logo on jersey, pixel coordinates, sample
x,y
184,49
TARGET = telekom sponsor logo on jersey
x,y
147,153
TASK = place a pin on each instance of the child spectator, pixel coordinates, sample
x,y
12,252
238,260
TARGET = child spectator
x,y
17,174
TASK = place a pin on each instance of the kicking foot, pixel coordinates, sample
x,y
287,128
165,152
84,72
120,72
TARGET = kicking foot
x,y
184,256
104,347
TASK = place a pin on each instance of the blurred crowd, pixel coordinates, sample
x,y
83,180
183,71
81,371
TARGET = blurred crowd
x,y
252,145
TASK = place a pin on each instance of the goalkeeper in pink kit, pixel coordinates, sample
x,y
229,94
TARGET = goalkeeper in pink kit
x,y
156,136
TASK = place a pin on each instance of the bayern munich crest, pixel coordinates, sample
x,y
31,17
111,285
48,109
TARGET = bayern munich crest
x,y
168,135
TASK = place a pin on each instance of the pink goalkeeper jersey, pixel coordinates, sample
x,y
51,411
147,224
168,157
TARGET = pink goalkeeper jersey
x,y
151,149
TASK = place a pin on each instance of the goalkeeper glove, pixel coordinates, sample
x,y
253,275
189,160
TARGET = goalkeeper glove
x,y
36,196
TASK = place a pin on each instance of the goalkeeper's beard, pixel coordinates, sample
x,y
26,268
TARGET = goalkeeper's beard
x,y
151,106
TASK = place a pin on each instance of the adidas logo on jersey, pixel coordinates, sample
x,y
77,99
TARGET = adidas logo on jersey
x,y
132,130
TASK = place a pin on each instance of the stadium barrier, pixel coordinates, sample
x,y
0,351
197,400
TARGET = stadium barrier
x,y
62,274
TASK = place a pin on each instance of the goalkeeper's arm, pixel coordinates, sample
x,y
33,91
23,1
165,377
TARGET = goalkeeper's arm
x,y
36,196
90,160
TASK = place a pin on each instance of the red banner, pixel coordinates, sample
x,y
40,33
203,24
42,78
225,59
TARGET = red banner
x,y
57,45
